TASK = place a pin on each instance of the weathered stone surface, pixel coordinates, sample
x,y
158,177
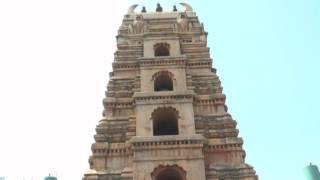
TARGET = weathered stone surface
x,y
164,113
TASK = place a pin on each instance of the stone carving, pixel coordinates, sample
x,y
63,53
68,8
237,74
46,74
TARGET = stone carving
x,y
183,24
132,8
138,26
187,6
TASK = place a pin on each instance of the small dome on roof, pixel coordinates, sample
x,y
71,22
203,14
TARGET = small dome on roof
x,y
50,178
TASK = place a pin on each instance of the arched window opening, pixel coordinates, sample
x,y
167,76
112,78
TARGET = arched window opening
x,y
161,49
165,122
163,82
169,174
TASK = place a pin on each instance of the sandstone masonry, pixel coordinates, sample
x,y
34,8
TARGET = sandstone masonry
x,y
165,116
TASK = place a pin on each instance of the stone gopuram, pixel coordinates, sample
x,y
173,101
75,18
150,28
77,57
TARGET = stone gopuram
x,y
165,116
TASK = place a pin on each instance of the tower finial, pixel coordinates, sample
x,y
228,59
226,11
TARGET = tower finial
x,y
143,9
159,8
175,8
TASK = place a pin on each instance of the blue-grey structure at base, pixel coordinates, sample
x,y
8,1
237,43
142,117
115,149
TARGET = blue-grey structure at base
x,y
50,178
312,172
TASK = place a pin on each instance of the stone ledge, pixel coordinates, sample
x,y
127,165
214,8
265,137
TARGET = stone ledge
x,y
162,61
138,95
140,141
161,97
242,171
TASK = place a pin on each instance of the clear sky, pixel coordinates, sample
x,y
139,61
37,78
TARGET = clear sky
x,y
55,57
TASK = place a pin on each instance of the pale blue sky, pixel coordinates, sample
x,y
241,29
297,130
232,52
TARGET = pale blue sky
x,y
267,55
55,57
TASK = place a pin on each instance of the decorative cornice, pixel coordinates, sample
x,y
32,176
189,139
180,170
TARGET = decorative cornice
x,y
125,65
164,142
163,97
211,100
223,147
110,102
162,61
111,152
193,65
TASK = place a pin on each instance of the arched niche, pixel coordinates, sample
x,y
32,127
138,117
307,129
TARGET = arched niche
x,y
165,121
161,49
163,81
168,173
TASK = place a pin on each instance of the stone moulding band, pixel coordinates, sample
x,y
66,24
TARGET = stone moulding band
x,y
155,97
211,101
118,66
139,99
231,147
168,144
162,62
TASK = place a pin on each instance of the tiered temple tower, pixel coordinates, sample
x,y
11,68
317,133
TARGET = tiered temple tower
x,y
165,116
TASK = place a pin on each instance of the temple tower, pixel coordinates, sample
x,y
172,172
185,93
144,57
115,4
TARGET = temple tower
x,y
164,114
